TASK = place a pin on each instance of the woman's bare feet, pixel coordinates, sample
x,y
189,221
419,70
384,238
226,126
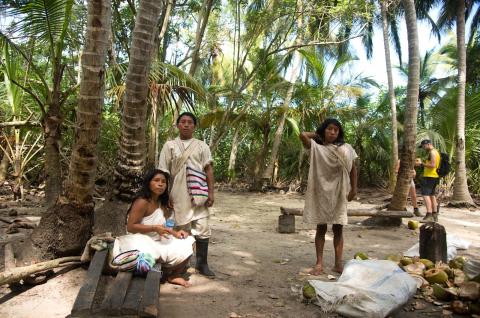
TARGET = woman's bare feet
x,y
317,270
179,281
338,268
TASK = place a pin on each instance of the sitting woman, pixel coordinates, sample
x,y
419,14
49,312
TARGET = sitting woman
x,y
146,221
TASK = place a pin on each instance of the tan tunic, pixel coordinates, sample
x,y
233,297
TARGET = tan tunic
x,y
328,184
170,155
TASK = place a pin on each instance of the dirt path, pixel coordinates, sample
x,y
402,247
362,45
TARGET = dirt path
x,y
259,271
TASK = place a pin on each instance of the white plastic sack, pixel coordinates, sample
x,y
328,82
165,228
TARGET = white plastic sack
x,y
454,242
472,268
369,288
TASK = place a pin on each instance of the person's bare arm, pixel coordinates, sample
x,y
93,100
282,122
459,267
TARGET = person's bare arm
x,y
135,216
211,184
306,138
433,161
353,183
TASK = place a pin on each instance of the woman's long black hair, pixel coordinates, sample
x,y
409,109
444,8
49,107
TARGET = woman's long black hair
x,y
321,132
146,193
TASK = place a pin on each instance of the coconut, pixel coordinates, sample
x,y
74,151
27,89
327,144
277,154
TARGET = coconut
x,y
421,282
435,275
308,291
469,290
458,276
454,264
440,292
459,307
360,256
406,261
428,263
393,258
413,225
461,260
415,268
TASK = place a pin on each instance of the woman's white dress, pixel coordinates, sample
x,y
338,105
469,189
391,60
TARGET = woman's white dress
x,y
169,251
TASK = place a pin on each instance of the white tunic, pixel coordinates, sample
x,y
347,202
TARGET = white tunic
x,y
170,155
169,251
328,183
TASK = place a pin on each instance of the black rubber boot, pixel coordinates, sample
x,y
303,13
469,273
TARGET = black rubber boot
x,y
202,253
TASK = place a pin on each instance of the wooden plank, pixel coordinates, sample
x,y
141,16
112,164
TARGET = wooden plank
x,y
112,303
356,212
149,306
133,296
83,302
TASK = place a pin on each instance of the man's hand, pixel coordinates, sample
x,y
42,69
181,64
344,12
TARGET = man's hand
x,y
210,200
351,195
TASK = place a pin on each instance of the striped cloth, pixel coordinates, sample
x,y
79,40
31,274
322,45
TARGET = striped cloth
x,y
197,186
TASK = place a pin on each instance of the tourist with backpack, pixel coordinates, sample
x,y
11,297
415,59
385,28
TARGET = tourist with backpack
x,y
430,180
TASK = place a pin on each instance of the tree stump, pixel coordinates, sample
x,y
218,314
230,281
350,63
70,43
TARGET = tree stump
x,y
433,242
286,223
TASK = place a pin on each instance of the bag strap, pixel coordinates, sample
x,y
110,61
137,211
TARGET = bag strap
x,y
186,153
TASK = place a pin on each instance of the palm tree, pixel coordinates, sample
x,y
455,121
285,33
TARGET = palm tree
x,y
66,227
47,22
132,147
399,199
461,195
391,94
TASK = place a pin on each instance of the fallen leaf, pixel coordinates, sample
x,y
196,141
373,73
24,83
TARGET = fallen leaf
x,y
234,315
331,277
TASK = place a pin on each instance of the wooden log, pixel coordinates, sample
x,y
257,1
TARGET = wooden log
x,y
18,273
355,212
112,303
149,305
84,301
133,297
286,223
291,211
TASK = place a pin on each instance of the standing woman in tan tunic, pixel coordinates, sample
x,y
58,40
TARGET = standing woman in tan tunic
x,y
332,181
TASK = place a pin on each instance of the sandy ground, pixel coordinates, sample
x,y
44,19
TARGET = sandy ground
x,y
259,271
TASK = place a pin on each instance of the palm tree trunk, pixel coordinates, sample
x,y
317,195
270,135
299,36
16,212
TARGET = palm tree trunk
x,y
233,155
391,95
65,228
203,16
132,147
461,196
53,169
399,199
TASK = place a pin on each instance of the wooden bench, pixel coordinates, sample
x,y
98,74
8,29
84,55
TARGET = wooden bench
x,y
286,219
125,296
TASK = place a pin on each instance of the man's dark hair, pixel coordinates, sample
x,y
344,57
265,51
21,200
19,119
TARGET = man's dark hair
x,y
321,132
189,114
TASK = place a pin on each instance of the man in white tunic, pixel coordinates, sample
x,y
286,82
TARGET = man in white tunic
x,y
189,163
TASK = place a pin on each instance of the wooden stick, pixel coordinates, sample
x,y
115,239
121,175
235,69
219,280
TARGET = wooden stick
x,y
18,273
356,212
